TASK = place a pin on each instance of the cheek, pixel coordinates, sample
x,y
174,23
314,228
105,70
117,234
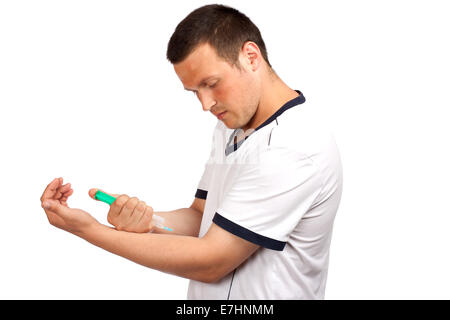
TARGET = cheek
x,y
220,95
225,92
229,96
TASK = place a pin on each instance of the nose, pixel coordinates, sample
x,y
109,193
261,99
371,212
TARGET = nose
x,y
206,100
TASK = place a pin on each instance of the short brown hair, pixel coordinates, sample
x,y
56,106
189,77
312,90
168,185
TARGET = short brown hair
x,y
224,28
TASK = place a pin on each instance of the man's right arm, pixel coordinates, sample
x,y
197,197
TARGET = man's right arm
x,y
134,215
185,221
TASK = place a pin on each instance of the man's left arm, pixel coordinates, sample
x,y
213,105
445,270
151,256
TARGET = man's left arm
x,y
205,259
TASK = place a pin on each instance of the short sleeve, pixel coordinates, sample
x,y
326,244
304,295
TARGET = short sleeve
x,y
269,197
203,185
205,180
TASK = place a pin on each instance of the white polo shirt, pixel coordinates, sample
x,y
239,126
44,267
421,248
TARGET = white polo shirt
x,y
280,188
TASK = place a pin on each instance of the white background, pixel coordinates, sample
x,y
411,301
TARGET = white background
x,y
87,94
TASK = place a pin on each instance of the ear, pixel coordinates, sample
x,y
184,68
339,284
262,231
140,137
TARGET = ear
x,y
251,56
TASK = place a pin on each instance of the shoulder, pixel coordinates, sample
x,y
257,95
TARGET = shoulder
x,y
303,129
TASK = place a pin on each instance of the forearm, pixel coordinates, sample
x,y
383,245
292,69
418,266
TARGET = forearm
x,y
183,256
185,221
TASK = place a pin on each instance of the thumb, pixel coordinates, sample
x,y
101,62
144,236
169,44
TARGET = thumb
x,y
93,191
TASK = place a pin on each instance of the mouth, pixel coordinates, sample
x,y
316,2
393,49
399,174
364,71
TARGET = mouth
x,y
221,115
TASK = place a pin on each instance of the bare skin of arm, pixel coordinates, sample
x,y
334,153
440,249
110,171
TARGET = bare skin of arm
x,y
185,221
205,259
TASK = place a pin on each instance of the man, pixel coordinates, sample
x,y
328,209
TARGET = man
x,y
261,222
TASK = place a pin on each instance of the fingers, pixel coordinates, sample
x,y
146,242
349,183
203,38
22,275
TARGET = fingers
x,y
117,205
51,188
136,219
65,188
116,208
55,190
65,196
145,222
130,214
62,190
128,209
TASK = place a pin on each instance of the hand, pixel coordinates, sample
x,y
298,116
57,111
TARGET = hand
x,y
128,214
54,202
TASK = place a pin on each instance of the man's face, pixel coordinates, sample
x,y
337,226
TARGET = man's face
x,y
231,94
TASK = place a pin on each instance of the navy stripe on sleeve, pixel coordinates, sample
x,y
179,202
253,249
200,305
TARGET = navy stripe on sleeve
x,y
201,194
248,235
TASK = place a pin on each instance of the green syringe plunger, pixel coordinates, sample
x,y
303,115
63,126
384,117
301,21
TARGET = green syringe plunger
x,y
104,197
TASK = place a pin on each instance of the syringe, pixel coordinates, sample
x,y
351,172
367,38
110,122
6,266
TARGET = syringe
x,y
157,220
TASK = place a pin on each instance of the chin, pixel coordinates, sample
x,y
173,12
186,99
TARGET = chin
x,y
230,125
233,124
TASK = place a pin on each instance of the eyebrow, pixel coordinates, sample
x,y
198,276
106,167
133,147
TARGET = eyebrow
x,y
202,82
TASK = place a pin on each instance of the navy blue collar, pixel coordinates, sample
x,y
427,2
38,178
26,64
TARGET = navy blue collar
x,y
291,103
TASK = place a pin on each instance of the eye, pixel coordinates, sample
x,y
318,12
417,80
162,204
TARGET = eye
x,y
213,85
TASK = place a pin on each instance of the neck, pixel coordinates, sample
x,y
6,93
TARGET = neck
x,y
274,94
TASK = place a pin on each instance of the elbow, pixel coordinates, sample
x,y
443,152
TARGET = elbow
x,y
209,273
213,264
209,279
205,276
212,275
213,278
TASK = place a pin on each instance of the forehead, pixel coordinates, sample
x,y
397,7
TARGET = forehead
x,y
201,63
